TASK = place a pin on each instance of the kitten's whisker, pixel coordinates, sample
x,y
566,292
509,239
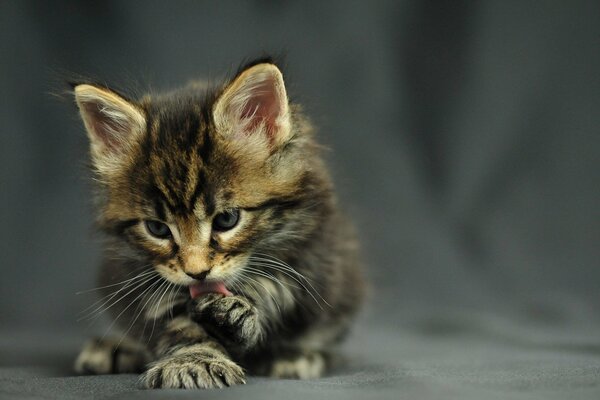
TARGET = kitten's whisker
x,y
99,309
284,266
292,274
130,304
249,281
265,289
247,285
253,264
95,316
304,288
272,259
114,293
156,309
131,285
171,299
155,294
285,271
113,284
139,309
311,206
309,291
274,279
157,300
236,286
167,294
276,261
269,275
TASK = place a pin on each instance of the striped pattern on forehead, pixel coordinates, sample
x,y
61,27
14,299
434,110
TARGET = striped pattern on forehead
x,y
176,155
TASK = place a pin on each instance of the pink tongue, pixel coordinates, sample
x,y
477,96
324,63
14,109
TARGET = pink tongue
x,y
202,288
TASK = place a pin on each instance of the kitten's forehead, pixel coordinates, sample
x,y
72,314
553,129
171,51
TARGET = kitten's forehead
x,y
178,157
186,167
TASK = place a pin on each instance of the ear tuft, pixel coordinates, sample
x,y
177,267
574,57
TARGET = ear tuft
x,y
112,122
255,103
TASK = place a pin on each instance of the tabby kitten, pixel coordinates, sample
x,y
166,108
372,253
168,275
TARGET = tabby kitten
x,y
225,249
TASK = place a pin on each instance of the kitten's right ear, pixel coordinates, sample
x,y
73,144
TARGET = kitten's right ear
x,y
113,123
254,109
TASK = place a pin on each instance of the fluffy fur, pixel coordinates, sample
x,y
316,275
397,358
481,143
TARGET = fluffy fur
x,y
290,264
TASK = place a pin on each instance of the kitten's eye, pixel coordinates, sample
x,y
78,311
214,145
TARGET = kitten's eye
x,y
226,220
158,229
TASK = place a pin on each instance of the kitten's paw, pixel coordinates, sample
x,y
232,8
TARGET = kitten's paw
x,y
111,356
193,369
309,365
232,319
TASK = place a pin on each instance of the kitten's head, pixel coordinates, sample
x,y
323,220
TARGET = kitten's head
x,y
197,180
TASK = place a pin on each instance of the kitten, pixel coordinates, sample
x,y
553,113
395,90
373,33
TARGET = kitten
x,y
225,252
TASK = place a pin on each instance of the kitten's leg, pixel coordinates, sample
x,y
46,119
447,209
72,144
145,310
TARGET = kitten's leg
x,y
240,324
190,358
233,320
111,356
307,364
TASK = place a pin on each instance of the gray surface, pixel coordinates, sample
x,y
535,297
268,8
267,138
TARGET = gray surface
x,y
465,141
382,363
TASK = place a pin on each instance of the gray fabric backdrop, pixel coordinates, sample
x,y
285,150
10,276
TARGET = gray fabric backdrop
x,y
465,142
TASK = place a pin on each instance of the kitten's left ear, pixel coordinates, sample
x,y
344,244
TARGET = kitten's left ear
x,y
113,123
255,104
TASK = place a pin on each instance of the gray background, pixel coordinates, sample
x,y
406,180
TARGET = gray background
x,y
464,140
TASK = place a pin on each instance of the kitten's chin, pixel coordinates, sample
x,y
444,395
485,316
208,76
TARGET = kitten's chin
x,y
201,288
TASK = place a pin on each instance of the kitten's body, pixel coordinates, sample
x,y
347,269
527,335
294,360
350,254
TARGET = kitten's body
x,y
275,292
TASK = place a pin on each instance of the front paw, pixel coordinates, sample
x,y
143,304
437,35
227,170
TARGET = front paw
x,y
191,369
111,356
232,319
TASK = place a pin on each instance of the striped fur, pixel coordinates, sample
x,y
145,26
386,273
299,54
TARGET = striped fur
x,y
290,263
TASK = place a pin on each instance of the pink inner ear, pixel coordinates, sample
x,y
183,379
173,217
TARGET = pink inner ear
x,y
264,105
103,126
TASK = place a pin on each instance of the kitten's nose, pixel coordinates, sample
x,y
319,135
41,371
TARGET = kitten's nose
x,y
199,276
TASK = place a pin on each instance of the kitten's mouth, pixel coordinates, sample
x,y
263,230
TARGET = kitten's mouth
x,y
202,288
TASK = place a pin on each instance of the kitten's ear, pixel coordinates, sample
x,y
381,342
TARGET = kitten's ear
x,y
255,104
113,123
